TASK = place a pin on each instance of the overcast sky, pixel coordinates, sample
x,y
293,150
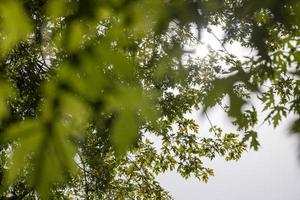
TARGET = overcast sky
x,y
272,173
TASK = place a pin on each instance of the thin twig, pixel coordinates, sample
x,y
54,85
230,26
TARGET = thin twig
x,y
210,31
211,124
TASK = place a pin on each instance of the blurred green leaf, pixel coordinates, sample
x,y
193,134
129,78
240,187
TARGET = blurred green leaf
x,y
29,134
125,132
296,126
16,30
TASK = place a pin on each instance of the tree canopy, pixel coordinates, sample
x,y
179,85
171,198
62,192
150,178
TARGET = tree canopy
x,y
83,83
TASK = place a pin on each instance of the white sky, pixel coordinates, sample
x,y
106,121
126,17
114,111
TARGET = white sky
x,y
272,173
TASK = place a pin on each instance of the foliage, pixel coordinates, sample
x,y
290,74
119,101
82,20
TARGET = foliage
x,y
84,83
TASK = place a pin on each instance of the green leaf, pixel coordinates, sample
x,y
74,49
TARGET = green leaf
x,y
296,126
53,161
57,8
15,25
251,135
42,154
29,136
236,104
75,36
75,112
124,132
